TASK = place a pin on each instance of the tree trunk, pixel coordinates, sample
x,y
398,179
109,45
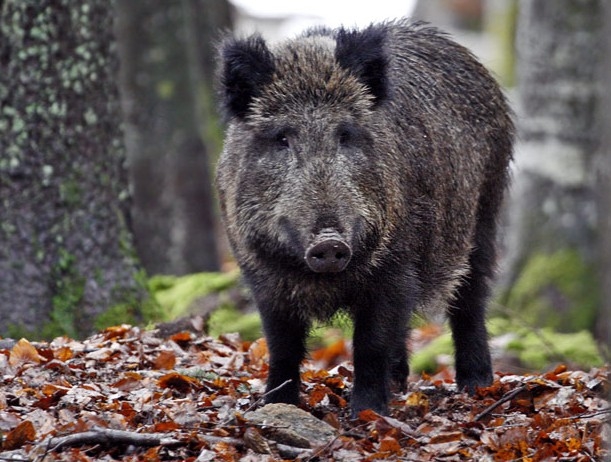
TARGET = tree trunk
x,y
603,189
66,253
552,243
162,85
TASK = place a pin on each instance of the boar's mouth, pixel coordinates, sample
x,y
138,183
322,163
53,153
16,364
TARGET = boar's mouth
x,y
328,252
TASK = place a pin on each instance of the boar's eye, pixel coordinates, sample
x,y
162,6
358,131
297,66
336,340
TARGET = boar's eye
x,y
276,138
282,140
344,137
347,134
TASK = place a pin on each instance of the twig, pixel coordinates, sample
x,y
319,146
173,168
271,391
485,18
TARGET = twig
x,y
507,397
267,393
589,415
107,437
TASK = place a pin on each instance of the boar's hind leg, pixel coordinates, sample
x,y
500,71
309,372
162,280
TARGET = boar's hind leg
x,y
399,368
467,313
380,354
285,337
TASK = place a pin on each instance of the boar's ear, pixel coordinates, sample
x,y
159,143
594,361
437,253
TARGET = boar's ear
x,y
246,66
362,53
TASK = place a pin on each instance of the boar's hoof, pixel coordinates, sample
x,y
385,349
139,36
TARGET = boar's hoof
x,y
328,254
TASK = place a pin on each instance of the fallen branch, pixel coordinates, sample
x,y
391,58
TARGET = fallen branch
x,y
286,451
507,397
13,456
108,437
211,439
292,452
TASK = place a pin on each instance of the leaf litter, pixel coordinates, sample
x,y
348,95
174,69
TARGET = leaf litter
x,y
131,394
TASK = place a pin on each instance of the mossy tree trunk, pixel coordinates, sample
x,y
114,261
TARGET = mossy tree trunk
x,y
166,102
66,254
552,242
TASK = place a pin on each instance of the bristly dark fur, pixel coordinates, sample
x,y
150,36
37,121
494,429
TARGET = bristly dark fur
x,y
364,54
248,65
364,171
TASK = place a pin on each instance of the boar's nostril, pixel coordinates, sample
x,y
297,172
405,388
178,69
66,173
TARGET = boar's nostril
x,y
328,256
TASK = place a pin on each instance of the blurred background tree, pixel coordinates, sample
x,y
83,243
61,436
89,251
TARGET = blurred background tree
x,y
603,185
167,49
550,276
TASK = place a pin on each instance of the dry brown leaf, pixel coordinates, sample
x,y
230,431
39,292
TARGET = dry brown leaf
x,y
418,402
182,338
23,353
20,435
258,351
49,389
101,354
331,354
165,427
130,381
117,332
368,415
180,382
389,445
316,395
226,452
332,419
63,353
166,360
446,437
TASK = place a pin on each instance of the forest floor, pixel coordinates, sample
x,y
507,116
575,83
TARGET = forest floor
x,y
131,394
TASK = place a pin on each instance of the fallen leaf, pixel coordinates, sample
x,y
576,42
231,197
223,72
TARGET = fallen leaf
x,y
368,415
258,351
330,354
182,338
63,354
446,437
20,435
23,353
390,445
116,332
166,359
179,382
418,402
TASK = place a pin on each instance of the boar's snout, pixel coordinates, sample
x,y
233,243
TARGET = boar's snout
x,y
328,253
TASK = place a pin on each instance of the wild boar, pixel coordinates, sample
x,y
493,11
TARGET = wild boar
x,y
363,170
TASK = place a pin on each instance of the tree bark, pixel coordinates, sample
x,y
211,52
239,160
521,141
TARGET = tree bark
x,y
553,208
163,91
603,188
66,252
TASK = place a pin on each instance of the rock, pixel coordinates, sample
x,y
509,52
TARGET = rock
x,y
287,424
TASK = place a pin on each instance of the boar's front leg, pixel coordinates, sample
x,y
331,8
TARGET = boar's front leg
x,y
380,354
286,337
472,355
467,316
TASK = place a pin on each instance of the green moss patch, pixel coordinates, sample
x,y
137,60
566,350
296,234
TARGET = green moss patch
x,y
176,294
556,290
